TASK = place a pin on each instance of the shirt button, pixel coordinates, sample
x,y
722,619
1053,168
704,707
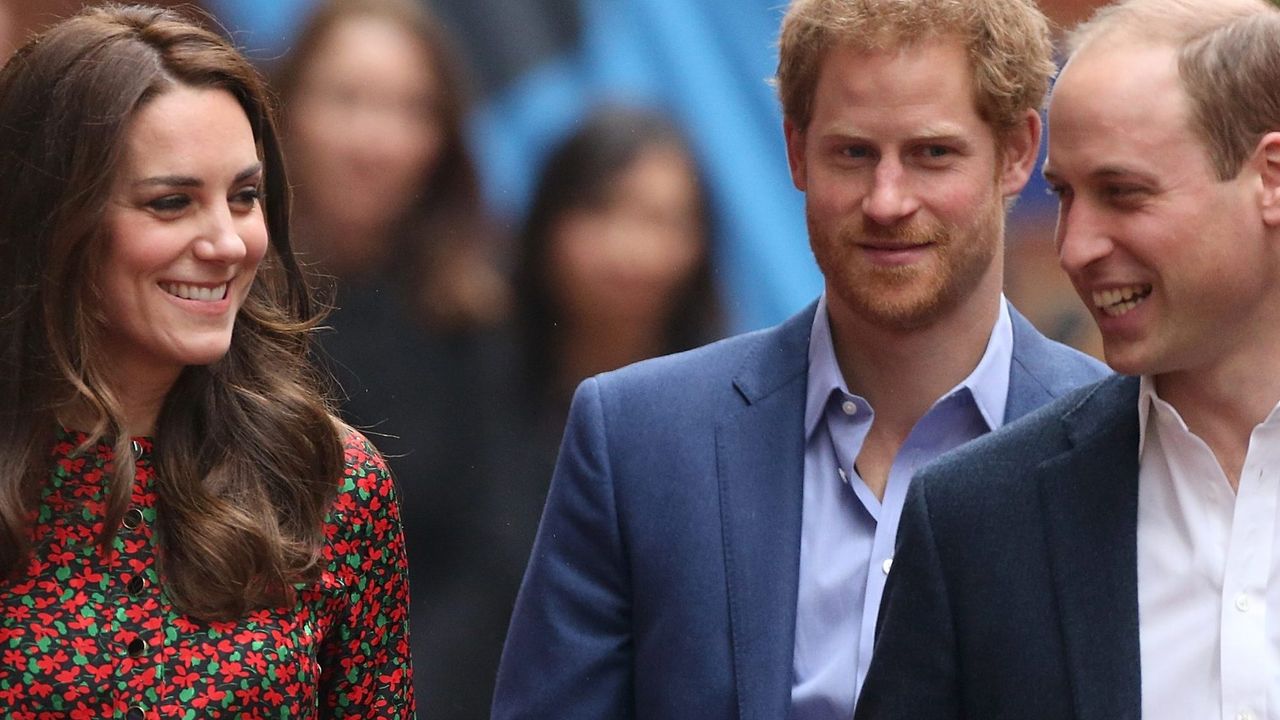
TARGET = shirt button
x,y
888,563
849,407
1245,715
137,449
136,712
132,518
136,585
137,648
1242,602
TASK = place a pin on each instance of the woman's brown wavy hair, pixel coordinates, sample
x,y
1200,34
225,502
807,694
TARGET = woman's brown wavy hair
x,y
246,452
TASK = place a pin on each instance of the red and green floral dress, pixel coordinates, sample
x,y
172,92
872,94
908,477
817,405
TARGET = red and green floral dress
x,y
88,634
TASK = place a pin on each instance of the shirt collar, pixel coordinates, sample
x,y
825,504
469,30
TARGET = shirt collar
x,y
824,373
1168,417
1146,398
988,384
1165,415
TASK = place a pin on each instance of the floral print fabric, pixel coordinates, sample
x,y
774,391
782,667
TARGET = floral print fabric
x,y
88,634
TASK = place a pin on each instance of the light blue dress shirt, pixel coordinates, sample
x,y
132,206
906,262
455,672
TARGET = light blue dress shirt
x,y
847,535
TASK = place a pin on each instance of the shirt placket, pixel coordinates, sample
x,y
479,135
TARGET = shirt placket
x,y
137,638
1244,656
952,421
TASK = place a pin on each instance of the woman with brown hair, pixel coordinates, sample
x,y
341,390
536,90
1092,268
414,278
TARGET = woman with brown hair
x,y
374,111
185,528
389,206
614,264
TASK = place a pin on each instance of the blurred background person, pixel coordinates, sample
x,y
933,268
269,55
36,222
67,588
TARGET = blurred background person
x,y
614,263
386,189
613,266
388,206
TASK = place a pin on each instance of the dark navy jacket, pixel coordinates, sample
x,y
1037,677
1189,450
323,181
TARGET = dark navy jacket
x,y
1014,589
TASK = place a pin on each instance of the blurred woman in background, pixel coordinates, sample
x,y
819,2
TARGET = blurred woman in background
x,y
613,267
185,528
389,207
614,264
386,189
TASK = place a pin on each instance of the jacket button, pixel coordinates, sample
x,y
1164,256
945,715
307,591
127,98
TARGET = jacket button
x,y
132,518
137,648
136,585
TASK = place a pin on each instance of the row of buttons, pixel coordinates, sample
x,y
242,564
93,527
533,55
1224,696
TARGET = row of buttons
x,y
136,585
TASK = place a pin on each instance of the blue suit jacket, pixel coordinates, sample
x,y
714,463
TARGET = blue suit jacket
x,y
1014,591
663,580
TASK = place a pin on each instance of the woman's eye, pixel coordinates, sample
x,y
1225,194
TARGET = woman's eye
x,y
248,196
169,203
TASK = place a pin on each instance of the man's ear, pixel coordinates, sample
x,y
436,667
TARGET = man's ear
x,y
1266,159
1021,148
795,152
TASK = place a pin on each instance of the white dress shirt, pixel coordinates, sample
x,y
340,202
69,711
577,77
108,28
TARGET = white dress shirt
x,y
1208,590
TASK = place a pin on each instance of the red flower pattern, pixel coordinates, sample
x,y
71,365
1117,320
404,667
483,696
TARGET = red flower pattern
x,y
78,639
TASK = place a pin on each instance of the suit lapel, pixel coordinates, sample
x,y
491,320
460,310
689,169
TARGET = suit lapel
x,y
1041,370
1090,503
1026,391
760,463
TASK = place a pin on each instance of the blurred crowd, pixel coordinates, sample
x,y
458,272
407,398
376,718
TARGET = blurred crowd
x,y
457,336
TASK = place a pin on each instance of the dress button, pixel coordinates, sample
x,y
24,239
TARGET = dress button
x,y
132,518
136,712
136,585
137,648
1242,602
888,563
137,449
849,407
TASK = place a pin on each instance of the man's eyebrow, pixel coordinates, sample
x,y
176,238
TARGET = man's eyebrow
x,y
194,182
944,130
1106,172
